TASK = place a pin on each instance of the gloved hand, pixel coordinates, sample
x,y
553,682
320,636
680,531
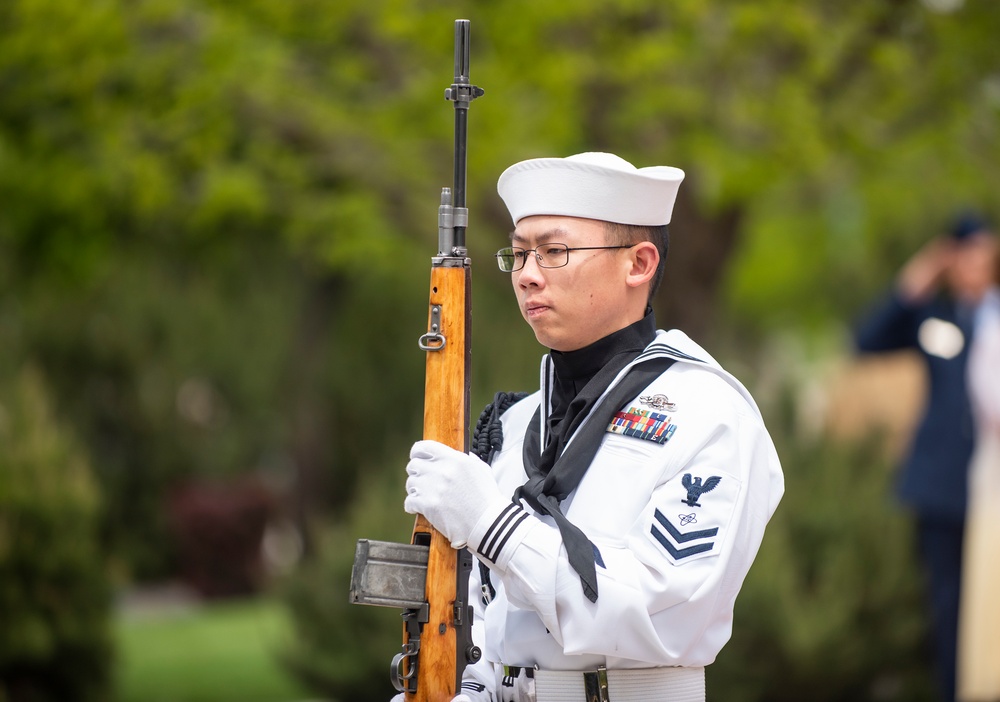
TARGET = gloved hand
x,y
451,489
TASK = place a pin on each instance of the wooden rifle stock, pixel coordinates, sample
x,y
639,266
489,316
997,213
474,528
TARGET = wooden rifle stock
x,y
442,651
444,627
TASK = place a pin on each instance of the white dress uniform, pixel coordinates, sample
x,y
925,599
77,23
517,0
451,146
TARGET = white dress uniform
x,y
675,503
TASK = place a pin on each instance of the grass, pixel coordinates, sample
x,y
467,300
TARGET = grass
x,y
215,653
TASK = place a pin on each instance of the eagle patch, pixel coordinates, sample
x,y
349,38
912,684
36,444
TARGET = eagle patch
x,y
695,488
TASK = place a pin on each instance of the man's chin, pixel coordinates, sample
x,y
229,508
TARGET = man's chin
x,y
544,338
553,343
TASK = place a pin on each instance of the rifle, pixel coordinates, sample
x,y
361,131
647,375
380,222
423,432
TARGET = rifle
x,y
428,578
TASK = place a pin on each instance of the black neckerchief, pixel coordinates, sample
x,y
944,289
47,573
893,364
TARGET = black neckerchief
x,y
582,377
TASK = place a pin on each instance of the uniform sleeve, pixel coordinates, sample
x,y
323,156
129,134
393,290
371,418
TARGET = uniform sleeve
x,y
890,326
666,590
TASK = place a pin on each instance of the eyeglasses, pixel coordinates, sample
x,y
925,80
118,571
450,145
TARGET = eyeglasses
x,y
512,258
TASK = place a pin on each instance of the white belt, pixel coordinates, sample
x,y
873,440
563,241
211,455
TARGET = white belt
x,y
635,685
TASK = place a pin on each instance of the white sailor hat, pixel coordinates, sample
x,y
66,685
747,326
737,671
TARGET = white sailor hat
x,y
591,185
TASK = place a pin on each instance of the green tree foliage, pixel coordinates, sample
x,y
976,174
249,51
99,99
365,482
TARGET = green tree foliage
x,y
55,641
171,176
806,129
216,218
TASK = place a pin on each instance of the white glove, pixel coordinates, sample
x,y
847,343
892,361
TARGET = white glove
x,y
451,489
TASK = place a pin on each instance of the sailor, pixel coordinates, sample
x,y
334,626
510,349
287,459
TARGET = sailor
x,y
617,519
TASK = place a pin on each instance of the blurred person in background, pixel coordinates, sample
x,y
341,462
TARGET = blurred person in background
x,y
933,308
979,623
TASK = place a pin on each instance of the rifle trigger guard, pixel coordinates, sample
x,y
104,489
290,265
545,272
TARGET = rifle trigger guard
x,y
433,340
403,682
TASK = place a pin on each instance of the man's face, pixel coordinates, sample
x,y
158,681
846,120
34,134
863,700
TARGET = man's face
x,y
973,267
573,306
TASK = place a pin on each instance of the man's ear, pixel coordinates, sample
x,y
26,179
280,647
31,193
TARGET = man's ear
x,y
645,257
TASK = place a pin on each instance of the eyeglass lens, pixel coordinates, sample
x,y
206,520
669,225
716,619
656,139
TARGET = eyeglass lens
x,y
548,256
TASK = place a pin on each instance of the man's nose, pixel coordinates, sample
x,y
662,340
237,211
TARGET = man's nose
x,y
531,271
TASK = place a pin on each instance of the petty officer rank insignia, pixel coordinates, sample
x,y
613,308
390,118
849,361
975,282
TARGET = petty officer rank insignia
x,y
643,424
690,514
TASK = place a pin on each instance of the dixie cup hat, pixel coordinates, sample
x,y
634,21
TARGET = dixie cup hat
x,y
592,185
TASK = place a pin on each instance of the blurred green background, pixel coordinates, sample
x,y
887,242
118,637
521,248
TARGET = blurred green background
x,y
216,222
